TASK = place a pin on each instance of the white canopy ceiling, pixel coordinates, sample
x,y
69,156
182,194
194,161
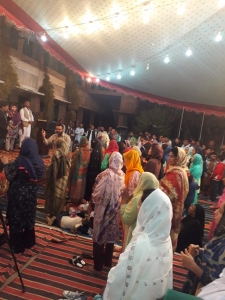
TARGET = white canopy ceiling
x,y
117,35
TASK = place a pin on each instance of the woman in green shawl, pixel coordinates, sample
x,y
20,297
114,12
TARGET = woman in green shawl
x,y
196,171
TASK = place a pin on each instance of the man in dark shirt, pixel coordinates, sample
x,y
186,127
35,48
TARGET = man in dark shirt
x,y
4,107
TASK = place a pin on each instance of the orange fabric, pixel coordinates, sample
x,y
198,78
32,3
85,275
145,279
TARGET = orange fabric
x,y
132,163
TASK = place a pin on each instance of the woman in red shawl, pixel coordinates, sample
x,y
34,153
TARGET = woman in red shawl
x,y
175,185
153,165
113,147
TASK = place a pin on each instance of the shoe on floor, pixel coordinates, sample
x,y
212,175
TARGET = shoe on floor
x,y
74,295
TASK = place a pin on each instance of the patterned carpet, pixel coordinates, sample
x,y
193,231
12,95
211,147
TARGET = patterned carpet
x,y
47,272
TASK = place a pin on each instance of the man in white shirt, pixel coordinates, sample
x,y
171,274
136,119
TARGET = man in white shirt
x,y
27,119
79,132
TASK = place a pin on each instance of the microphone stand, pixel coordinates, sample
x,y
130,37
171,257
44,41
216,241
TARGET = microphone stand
x,y
11,249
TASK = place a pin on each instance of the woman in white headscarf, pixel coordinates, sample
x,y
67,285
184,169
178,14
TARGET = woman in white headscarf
x,y
144,270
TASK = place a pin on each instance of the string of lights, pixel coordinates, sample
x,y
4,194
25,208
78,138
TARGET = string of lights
x,y
146,6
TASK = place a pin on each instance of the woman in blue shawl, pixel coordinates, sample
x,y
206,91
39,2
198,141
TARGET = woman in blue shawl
x,y
196,171
23,174
209,262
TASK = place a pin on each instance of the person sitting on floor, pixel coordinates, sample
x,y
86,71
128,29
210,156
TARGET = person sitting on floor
x,y
192,228
205,265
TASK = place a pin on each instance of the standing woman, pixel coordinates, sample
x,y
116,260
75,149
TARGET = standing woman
x,y
175,185
14,127
153,165
23,174
78,171
113,147
94,167
196,170
134,170
56,181
106,196
129,210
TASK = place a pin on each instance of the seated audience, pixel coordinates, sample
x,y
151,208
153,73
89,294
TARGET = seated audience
x,y
205,265
192,228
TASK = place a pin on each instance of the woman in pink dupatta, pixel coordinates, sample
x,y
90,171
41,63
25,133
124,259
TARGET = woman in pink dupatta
x,y
106,196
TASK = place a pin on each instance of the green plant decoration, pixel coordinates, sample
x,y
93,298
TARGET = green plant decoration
x,y
72,95
48,99
156,116
7,68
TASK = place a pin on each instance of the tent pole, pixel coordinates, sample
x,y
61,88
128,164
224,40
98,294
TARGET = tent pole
x,y
200,135
181,120
222,139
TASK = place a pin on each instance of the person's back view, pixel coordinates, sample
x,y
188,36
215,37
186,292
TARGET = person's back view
x,y
144,270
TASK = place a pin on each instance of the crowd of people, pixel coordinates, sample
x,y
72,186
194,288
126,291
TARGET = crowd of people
x,y
146,185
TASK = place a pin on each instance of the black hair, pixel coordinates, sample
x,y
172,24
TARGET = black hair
x,y
146,193
213,153
145,154
3,103
221,157
174,150
60,125
1,167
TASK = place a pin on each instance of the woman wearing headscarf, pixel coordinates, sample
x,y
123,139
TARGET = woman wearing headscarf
x,y
113,147
144,270
153,165
175,185
129,210
106,196
56,181
205,265
23,174
134,170
192,228
133,142
94,167
196,170
122,146
136,148
78,172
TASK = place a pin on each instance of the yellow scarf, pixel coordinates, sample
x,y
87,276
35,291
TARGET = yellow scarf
x,y
132,163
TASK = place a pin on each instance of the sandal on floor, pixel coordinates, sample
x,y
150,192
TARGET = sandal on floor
x,y
80,260
76,263
87,255
51,220
74,295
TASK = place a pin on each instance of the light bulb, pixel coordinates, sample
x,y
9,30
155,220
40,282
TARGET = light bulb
x,y
181,9
89,79
66,35
97,79
119,76
188,52
43,37
166,59
132,72
108,78
219,37
221,3
147,67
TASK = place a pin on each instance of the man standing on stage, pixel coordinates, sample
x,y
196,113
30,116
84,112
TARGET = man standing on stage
x,y
27,120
